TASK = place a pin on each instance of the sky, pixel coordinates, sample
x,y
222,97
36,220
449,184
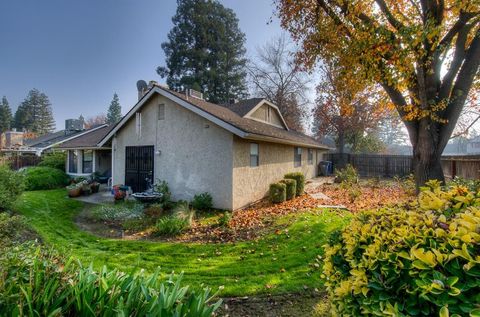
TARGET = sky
x,y
80,52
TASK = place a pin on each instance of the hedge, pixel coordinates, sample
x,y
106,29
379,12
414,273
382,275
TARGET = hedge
x,y
39,178
300,178
278,192
291,185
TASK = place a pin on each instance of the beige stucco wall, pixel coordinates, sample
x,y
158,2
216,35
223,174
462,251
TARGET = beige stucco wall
x,y
195,155
252,183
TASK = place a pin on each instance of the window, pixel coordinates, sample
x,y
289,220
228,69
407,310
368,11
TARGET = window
x,y
72,161
161,112
138,124
254,157
310,156
87,161
297,156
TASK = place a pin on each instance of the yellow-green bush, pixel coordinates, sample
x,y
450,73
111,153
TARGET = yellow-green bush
x,y
423,260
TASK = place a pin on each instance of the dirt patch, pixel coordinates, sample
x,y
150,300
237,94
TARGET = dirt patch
x,y
287,305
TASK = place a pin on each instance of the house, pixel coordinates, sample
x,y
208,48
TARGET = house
x,y
84,156
233,152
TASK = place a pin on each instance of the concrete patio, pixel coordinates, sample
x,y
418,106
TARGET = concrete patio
x,y
103,196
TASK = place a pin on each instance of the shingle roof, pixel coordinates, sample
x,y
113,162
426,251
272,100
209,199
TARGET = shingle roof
x,y
87,140
244,106
50,138
248,125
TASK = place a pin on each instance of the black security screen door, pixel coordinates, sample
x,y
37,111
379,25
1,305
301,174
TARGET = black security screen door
x,y
138,167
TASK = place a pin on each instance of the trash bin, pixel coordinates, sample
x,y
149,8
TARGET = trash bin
x,y
325,168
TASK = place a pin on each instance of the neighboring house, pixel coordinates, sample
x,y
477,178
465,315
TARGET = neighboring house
x,y
85,157
44,143
232,152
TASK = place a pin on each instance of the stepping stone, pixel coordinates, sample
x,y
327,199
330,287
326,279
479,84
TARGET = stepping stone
x,y
321,196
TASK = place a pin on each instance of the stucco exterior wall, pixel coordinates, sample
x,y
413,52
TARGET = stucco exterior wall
x,y
192,154
252,183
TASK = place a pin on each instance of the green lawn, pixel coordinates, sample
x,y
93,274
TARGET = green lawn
x,y
283,261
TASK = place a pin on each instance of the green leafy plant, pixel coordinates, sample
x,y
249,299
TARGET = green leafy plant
x,y
55,159
407,183
13,229
348,174
11,186
40,282
161,187
278,192
118,212
471,184
202,202
224,219
40,178
422,260
300,179
170,225
291,188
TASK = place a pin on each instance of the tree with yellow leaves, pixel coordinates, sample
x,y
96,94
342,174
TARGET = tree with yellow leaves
x,y
424,53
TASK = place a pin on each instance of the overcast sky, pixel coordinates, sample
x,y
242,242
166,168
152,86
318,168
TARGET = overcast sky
x,y
80,52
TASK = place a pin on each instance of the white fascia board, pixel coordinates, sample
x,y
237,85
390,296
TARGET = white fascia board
x,y
177,100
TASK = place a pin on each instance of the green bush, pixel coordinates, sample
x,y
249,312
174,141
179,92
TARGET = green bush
x,y
300,179
203,202
11,186
39,178
54,160
37,282
224,219
348,175
162,188
13,229
278,193
291,185
170,226
118,212
419,261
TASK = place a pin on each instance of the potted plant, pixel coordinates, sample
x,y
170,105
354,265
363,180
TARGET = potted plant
x,y
94,187
74,190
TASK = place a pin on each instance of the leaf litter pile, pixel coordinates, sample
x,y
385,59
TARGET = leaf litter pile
x,y
259,219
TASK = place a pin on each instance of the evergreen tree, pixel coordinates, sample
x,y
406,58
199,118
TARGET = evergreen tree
x,y
205,49
5,115
35,113
114,110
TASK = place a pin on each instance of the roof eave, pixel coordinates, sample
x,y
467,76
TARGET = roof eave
x,y
258,137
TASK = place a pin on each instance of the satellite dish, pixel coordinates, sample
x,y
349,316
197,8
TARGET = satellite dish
x,y
142,85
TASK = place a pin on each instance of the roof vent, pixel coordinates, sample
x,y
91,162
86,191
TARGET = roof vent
x,y
195,94
232,101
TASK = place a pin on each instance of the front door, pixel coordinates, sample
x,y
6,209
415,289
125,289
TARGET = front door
x,y
138,167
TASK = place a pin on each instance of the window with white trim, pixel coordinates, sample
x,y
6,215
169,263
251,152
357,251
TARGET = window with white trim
x,y
297,156
87,161
72,161
254,155
310,157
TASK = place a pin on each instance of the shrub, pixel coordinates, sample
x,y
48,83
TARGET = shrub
x,y
291,187
11,186
162,188
54,160
278,192
39,178
224,219
154,211
183,211
422,260
348,174
471,184
300,178
170,226
203,202
118,212
13,229
38,282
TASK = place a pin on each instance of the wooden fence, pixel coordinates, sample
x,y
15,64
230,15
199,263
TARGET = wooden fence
x,y
17,162
376,165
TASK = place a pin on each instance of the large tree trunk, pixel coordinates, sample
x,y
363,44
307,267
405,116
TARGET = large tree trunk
x,y
427,151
